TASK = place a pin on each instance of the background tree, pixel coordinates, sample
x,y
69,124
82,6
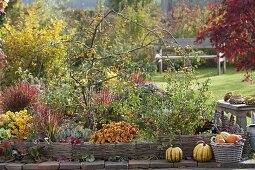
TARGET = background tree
x,y
118,5
185,19
231,29
130,33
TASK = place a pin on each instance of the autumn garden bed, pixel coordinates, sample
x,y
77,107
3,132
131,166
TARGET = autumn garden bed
x,y
70,94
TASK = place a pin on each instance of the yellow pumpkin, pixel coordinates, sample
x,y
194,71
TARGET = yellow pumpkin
x,y
174,154
222,135
202,152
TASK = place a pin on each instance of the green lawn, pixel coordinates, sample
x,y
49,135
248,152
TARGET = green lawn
x,y
219,85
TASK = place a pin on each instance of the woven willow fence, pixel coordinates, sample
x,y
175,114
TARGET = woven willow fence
x,y
155,150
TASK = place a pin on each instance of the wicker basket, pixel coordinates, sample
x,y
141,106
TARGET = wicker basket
x,y
226,152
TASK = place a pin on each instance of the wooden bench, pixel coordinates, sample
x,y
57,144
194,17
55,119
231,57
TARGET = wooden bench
x,y
190,41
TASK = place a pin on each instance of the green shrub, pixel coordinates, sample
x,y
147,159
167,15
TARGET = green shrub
x,y
189,99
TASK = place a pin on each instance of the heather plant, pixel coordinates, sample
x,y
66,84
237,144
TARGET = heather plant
x,y
46,122
17,97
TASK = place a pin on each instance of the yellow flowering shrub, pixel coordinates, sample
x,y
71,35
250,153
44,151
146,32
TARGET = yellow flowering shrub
x,y
17,122
33,44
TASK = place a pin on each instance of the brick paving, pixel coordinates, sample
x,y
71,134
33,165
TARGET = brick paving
x,y
132,164
92,165
69,165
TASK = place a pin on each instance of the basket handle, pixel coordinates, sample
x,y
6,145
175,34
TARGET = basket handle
x,y
240,140
213,139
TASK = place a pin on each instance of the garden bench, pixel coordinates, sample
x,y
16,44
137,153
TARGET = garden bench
x,y
190,41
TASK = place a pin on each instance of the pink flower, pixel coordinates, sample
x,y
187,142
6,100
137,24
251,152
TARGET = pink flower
x,y
105,97
136,78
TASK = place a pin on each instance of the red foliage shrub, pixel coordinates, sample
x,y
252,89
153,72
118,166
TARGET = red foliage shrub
x,y
18,97
231,30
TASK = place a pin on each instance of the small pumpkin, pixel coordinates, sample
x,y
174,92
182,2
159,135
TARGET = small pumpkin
x,y
227,96
220,141
202,152
174,154
232,138
222,135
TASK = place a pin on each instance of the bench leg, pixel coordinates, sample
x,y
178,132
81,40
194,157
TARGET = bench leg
x,y
160,66
218,66
224,66
241,121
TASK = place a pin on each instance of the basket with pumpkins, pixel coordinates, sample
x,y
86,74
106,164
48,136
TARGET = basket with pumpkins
x,y
227,148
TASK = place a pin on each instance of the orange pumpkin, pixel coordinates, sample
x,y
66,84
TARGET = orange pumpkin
x,y
232,138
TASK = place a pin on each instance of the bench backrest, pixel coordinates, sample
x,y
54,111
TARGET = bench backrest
x,y
190,41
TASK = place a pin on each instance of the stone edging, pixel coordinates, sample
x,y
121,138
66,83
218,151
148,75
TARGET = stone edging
x,y
132,164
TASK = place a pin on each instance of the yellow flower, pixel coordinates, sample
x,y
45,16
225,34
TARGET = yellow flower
x,y
15,132
19,122
4,117
112,76
11,125
1,123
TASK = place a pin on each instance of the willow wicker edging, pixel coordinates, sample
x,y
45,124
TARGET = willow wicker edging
x,y
134,150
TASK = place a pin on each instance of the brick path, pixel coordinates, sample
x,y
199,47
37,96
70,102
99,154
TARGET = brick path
x,y
132,164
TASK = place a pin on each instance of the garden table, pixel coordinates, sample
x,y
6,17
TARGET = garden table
x,y
238,110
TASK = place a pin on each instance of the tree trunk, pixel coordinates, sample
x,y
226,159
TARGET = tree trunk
x,y
166,5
